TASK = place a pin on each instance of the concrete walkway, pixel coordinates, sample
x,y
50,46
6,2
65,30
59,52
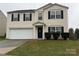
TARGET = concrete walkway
x,y
8,45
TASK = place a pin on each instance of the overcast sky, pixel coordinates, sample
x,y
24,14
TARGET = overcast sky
x,y
73,12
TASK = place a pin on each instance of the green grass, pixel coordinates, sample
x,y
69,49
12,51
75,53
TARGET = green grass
x,y
2,38
47,48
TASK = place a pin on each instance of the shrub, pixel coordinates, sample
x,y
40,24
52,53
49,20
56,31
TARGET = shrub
x,y
76,33
71,33
47,36
65,35
56,35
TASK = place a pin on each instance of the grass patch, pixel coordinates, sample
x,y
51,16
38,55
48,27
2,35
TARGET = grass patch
x,y
2,38
47,48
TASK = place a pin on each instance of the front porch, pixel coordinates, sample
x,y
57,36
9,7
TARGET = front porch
x,y
39,30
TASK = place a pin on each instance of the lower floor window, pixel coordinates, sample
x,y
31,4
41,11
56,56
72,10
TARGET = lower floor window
x,y
55,29
58,29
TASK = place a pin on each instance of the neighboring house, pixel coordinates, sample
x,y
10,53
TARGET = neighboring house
x,y
3,21
32,24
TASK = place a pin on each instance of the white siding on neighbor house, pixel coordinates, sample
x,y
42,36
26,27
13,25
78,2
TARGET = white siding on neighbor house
x,y
3,21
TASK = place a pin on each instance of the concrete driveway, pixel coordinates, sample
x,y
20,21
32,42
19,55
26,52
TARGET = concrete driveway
x,y
8,45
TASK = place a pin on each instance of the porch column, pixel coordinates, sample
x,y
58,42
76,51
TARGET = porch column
x,y
34,35
43,33
7,33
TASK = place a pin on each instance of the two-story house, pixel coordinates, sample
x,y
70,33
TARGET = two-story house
x,y
32,24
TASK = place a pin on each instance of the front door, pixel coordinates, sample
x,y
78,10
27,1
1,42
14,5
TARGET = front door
x,y
40,32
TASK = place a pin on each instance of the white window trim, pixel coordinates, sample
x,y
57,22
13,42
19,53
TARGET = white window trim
x,y
15,16
56,29
26,16
55,10
41,15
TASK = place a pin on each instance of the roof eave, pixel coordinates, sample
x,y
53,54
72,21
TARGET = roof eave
x,y
44,6
61,5
21,11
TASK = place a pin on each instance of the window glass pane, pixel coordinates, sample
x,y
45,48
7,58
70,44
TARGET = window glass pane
x,y
58,14
15,17
58,29
52,14
52,29
40,16
55,14
27,16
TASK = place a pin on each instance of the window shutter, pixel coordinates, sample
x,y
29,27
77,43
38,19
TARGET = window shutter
x,y
30,16
48,14
18,17
12,17
24,17
48,29
62,28
61,14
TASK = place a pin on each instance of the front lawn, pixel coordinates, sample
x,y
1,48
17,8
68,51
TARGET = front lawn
x,y
47,48
2,38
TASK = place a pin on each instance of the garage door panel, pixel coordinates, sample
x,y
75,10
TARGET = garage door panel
x,y
21,34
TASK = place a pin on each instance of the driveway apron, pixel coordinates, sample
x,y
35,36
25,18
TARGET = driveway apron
x,y
8,45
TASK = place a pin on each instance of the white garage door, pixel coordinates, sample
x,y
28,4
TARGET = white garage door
x,y
20,33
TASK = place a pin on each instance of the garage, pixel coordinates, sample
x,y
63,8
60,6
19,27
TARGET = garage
x,y
21,33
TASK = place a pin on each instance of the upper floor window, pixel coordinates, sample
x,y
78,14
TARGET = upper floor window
x,y
40,16
15,17
27,17
52,15
55,14
58,14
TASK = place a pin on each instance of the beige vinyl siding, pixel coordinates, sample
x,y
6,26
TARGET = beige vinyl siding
x,y
49,22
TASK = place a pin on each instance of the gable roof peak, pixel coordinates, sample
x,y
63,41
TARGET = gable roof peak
x,y
50,4
60,5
